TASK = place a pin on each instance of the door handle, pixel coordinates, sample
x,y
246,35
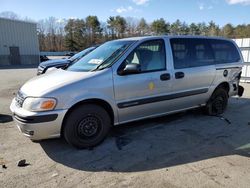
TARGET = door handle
x,y
165,77
179,75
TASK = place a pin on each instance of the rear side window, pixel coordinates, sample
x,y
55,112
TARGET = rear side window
x,y
181,53
224,51
191,53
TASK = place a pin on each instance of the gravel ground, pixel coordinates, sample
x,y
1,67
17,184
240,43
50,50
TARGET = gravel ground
x,y
187,149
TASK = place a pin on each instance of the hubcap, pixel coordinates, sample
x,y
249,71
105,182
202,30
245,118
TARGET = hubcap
x,y
88,126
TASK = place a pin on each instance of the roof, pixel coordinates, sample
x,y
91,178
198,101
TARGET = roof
x,y
171,36
137,38
15,20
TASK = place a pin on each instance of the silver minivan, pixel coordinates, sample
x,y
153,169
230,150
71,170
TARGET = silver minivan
x,y
126,80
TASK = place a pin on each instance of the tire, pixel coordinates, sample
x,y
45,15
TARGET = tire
x,y
86,126
217,103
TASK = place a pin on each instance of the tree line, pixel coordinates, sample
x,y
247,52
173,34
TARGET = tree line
x,y
77,34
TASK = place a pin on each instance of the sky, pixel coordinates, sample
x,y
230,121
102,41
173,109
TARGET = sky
x,y
220,11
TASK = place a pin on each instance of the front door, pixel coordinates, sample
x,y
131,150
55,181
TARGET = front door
x,y
142,95
14,56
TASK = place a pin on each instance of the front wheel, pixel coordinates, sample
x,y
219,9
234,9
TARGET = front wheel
x,y
217,103
86,126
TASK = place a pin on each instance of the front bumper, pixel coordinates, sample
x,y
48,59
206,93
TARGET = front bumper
x,y
38,125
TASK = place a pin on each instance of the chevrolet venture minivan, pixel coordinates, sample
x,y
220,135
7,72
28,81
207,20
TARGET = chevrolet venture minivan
x,y
126,80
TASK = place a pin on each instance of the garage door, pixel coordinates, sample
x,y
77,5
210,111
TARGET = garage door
x,y
14,55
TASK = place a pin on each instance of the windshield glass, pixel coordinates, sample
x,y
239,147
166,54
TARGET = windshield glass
x,y
81,54
101,57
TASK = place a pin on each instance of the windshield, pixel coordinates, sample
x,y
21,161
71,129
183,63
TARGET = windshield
x,y
81,54
101,57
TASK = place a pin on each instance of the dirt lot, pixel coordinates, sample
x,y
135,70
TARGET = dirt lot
x,y
183,150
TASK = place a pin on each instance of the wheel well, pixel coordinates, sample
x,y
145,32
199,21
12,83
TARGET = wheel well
x,y
224,85
99,102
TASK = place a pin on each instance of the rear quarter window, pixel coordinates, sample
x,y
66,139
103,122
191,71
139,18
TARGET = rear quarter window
x,y
224,51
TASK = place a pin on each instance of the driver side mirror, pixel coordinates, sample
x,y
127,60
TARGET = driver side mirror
x,y
131,68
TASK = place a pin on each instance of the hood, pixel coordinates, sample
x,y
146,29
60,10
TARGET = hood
x,y
54,62
40,85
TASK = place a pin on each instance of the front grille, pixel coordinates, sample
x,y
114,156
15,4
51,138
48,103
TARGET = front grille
x,y
19,99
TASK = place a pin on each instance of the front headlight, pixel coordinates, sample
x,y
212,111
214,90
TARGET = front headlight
x,y
39,104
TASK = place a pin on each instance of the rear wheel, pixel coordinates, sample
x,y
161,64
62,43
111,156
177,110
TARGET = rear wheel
x,y
86,126
217,103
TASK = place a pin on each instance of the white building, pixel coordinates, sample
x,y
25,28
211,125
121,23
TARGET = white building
x,y
18,42
244,45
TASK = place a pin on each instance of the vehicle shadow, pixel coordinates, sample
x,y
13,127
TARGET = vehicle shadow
x,y
4,118
162,142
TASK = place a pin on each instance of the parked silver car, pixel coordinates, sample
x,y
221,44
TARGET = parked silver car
x,y
126,80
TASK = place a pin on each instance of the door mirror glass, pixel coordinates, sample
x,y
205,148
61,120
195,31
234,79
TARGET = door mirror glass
x,y
131,68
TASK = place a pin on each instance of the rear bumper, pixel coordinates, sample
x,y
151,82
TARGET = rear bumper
x,y
240,90
38,125
235,89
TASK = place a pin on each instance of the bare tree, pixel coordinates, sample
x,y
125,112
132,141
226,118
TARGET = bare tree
x,y
76,34
10,15
132,26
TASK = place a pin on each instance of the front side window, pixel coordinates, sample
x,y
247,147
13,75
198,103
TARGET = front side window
x,y
101,57
149,55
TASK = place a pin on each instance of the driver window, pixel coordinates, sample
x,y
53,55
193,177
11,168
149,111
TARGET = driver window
x,y
149,55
